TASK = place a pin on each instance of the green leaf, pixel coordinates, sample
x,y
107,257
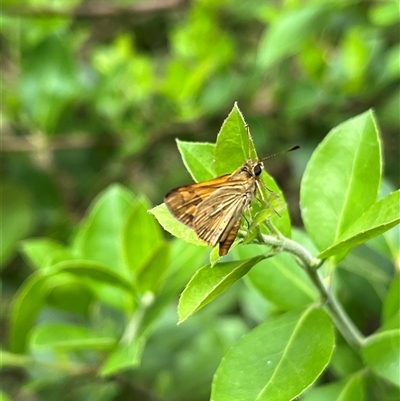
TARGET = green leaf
x,y
93,271
342,179
69,293
67,337
214,254
288,34
100,237
381,353
234,144
346,390
38,251
107,285
126,355
26,305
209,282
198,158
277,360
17,218
141,235
31,296
391,306
380,217
184,261
173,226
392,241
345,361
364,271
280,271
152,272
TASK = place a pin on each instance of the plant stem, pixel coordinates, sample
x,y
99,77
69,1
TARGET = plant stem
x,y
27,362
342,321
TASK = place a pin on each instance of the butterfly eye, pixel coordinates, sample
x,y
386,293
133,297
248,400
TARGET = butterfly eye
x,y
257,170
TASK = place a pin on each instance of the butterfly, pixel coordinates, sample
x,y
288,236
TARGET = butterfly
x,y
214,208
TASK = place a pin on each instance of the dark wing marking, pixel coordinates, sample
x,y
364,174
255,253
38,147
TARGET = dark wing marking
x,y
225,244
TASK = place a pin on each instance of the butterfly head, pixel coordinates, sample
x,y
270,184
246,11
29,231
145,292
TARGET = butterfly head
x,y
258,168
252,169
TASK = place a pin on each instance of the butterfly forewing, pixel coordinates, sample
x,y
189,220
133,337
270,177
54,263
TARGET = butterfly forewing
x,y
182,201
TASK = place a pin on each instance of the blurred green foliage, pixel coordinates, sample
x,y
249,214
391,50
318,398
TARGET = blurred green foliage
x,y
94,94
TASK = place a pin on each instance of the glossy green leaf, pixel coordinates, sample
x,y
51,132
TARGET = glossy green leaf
x,y
381,353
214,254
234,144
271,275
277,360
198,158
342,179
38,251
173,226
345,361
17,218
393,323
286,37
380,217
391,306
100,237
60,255
184,261
353,389
363,271
347,390
68,337
26,305
209,282
126,355
141,235
152,272
392,240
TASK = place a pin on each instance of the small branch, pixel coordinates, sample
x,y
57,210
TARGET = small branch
x,y
145,8
11,360
30,143
343,323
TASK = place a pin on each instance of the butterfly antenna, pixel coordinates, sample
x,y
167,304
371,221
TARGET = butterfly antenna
x,y
248,136
281,153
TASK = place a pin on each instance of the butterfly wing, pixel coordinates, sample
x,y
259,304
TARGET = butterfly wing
x,y
225,244
182,202
216,216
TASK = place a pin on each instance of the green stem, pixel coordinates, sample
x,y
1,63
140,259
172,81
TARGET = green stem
x,y
342,321
27,362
